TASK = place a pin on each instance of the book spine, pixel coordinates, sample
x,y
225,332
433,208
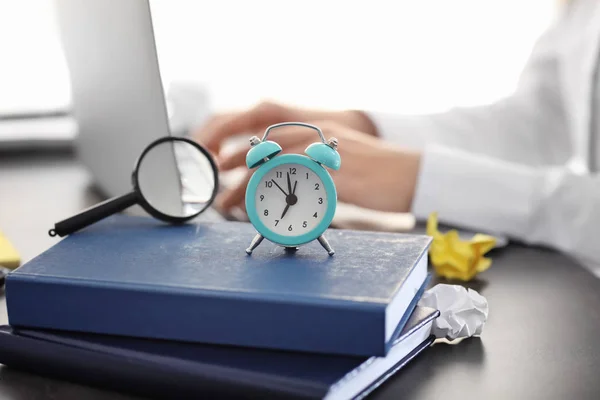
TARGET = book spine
x,y
137,375
195,316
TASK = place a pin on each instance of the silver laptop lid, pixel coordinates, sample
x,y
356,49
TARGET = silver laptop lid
x,y
117,94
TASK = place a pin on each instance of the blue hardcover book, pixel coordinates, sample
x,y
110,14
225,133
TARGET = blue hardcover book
x,y
164,369
138,277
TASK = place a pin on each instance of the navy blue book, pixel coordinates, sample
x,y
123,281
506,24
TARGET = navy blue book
x,y
135,276
165,369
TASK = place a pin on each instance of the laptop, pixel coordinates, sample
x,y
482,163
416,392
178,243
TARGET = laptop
x,y
117,93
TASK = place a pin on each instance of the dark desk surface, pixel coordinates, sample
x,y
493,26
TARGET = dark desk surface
x,y
540,341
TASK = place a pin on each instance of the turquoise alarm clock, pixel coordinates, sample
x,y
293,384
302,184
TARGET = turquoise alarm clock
x,y
291,198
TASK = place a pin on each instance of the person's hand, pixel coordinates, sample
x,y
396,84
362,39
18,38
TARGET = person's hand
x,y
255,120
373,174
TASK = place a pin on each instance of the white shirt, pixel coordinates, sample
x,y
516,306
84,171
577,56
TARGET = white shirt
x,y
526,166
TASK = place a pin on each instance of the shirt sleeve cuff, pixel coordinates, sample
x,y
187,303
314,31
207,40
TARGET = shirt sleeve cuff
x,y
473,191
407,130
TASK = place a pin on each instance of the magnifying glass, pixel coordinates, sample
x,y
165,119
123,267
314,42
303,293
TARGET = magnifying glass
x,y
174,180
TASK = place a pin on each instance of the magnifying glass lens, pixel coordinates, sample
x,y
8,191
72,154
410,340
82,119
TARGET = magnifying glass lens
x,y
176,179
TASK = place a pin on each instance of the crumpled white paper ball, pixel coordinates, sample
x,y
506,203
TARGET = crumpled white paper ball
x,y
463,312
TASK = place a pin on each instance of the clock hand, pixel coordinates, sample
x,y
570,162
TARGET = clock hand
x,y
289,183
279,187
285,210
290,200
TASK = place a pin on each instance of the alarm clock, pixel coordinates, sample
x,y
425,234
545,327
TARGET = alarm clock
x,y
291,198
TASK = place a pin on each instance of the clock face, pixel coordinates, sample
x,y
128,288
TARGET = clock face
x,y
290,199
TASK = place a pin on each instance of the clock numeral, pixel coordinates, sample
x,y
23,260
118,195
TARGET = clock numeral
x,y
262,197
320,200
315,215
279,174
304,224
307,175
269,184
292,171
266,212
276,222
316,186
290,228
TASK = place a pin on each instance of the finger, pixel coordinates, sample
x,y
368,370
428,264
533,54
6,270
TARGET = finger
x,y
233,160
235,196
253,119
228,127
203,133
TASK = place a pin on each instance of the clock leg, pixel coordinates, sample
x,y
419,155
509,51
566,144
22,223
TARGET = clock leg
x,y
326,245
255,242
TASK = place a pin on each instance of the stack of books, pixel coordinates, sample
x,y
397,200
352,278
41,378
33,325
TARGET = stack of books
x,y
133,305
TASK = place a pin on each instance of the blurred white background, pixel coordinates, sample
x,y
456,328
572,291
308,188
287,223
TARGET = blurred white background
x,y
406,56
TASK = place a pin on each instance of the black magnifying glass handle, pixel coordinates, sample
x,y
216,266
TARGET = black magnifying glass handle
x,y
94,214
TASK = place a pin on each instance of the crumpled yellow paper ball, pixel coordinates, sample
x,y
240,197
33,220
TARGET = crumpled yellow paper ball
x,y
9,258
454,258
